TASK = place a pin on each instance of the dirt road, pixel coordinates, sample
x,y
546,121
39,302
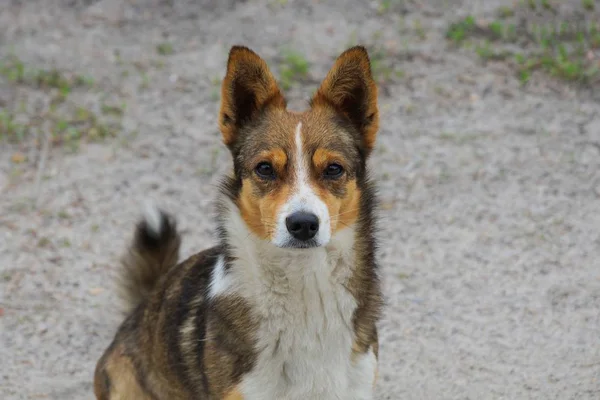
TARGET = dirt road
x,y
490,190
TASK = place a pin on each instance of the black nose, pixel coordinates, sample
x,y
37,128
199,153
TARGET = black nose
x,y
302,225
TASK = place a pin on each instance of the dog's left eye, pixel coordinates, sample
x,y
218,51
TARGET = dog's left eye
x,y
333,171
265,170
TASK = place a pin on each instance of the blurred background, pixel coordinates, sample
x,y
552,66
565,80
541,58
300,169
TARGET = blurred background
x,y
488,163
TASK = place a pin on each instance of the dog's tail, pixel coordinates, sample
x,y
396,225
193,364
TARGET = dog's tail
x,y
155,249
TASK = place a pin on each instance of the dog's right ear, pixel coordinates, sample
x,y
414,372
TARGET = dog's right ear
x,y
249,87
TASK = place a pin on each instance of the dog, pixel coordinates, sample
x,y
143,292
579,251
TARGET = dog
x,y
286,305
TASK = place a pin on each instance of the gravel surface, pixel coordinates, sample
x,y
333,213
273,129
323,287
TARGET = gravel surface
x,y
490,191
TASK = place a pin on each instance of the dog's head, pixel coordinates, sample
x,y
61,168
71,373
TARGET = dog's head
x,y
299,175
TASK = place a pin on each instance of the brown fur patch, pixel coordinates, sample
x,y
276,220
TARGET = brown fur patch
x,y
276,157
343,211
351,90
343,205
229,349
120,371
323,157
260,211
248,87
349,206
235,394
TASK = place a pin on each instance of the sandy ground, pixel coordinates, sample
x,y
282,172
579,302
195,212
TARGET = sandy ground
x,y
490,191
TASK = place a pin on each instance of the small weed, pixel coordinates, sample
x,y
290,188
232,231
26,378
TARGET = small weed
x,y
497,29
293,67
448,136
547,5
524,76
84,81
43,242
485,51
511,33
419,30
459,31
384,6
165,49
114,110
10,129
595,39
558,61
16,124
84,122
6,276
488,53
13,69
588,4
17,72
63,215
383,66
145,82
560,49
402,275
66,127
505,12
381,71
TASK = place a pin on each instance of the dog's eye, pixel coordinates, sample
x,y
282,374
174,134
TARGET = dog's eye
x,y
265,170
333,171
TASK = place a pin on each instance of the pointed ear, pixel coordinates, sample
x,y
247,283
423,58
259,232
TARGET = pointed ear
x,y
248,88
349,88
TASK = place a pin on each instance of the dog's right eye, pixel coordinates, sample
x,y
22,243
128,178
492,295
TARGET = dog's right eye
x,y
265,170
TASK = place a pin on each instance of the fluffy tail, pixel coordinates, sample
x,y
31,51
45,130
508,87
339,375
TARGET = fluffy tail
x,y
155,249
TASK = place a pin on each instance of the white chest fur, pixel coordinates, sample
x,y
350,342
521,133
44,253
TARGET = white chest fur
x,y
305,336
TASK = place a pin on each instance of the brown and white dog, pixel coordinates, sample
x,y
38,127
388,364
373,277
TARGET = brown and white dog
x,y
286,306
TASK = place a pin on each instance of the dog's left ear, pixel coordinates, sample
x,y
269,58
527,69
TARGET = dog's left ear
x,y
350,89
249,87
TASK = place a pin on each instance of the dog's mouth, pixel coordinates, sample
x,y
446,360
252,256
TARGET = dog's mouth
x,y
300,244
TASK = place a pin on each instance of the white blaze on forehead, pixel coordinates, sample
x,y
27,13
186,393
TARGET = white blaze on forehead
x,y
301,166
303,197
301,173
